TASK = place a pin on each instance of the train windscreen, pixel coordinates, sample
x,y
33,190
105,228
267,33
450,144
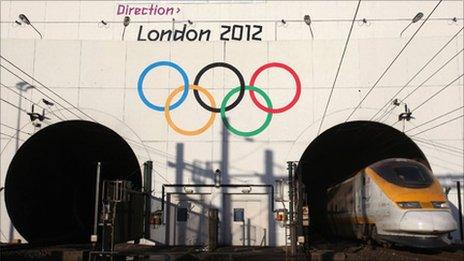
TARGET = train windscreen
x,y
405,173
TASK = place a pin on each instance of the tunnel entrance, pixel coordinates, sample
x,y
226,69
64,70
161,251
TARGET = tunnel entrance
x,y
343,150
50,183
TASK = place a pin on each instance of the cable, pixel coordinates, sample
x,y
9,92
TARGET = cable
x,y
393,61
418,72
440,145
8,135
21,109
436,93
153,170
11,137
161,176
445,149
436,118
52,112
426,80
19,77
436,126
445,161
246,21
15,129
433,74
339,67
386,115
431,97
141,144
22,96
50,90
129,140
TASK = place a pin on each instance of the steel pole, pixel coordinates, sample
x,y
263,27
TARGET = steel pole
x,y
291,193
147,170
97,196
458,184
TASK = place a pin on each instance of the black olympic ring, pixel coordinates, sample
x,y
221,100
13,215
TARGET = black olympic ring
x,y
225,65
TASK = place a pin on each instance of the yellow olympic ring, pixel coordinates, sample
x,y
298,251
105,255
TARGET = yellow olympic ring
x,y
167,114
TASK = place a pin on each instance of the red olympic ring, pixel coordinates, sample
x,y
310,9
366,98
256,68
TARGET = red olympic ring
x,y
297,82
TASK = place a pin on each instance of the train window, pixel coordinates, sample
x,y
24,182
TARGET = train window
x,y
406,174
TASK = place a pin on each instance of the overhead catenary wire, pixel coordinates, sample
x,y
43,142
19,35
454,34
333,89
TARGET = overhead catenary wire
x,y
8,135
445,167
32,102
434,119
37,89
393,61
47,97
389,143
59,111
439,125
321,123
161,176
129,140
141,144
15,129
22,96
431,76
11,136
445,161
186,21
418,72
13,105
426,80
339,67
40,91
449,84
439,148
56,102
50,90
432,96
439,145
436,93
386,115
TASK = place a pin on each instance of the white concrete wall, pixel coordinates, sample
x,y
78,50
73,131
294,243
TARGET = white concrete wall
x,y
89,66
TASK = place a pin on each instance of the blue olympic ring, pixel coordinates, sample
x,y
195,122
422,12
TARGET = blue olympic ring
x,y
153,66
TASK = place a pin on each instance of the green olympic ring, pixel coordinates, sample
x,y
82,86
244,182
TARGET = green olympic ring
x,y
246,133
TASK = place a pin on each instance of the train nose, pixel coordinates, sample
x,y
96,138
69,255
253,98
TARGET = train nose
x,y
428,222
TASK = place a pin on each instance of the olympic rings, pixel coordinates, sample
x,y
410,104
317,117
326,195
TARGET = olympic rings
x,y
225,65
153,66
295,77
243,133
167,114
167,108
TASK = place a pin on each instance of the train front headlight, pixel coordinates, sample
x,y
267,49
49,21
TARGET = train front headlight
x,y
439,204
409,204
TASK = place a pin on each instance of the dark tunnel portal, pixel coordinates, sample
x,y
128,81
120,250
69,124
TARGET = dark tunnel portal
x,y
343,150
50,183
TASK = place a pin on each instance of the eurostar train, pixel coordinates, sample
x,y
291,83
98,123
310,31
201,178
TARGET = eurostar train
x,y
394,201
